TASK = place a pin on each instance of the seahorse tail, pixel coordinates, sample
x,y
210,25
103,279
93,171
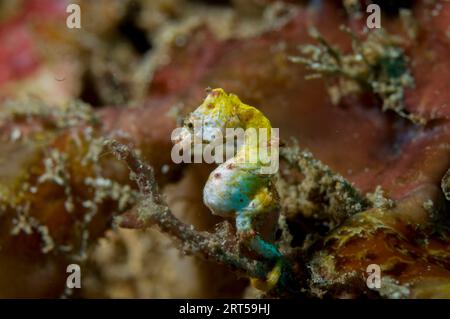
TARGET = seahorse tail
x,y
272,278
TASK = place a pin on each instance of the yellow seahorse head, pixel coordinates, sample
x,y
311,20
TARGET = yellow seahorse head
x,y
220,111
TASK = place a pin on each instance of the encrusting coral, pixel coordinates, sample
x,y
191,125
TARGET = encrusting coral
x,y
363,187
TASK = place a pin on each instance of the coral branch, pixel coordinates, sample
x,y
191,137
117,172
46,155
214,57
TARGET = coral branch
x,y
143,174
153,210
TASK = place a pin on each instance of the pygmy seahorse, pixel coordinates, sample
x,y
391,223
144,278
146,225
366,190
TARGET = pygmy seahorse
x,y
238,188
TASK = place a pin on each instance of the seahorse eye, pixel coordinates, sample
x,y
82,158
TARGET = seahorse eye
x,y
189,124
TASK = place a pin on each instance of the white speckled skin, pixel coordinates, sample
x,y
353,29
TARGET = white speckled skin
x,y
231,188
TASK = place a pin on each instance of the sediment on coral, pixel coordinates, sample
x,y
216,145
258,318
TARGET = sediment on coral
x,y
321,194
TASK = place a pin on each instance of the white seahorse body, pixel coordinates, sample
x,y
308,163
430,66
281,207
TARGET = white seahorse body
x,y
233,187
